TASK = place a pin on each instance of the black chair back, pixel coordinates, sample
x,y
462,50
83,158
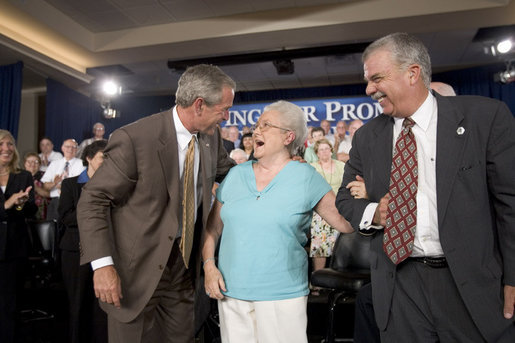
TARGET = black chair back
x,y
351,253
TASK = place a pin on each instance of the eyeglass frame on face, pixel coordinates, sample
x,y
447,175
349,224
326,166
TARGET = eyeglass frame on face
x,y
70,146
35,162
265,126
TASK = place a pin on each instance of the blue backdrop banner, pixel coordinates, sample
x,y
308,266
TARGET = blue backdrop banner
x,y
316,110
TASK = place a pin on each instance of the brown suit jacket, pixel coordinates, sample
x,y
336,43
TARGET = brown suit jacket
x,y
130,208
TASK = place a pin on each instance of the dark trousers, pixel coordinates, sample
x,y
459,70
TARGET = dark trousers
x,y
427,307
11,283
168,316
87,322
365,327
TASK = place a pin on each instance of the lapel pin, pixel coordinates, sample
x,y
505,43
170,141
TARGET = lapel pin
x,y
460,130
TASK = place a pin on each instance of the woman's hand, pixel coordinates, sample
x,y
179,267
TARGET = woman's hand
x,y
214,281
357,188
18,199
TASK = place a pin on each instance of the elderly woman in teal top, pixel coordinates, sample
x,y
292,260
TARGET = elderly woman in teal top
x,y
264,208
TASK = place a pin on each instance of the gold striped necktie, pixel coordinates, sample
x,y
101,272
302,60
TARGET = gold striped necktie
x,y
188,203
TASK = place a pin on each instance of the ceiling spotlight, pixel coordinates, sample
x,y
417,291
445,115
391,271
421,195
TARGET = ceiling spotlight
x,y
504,46
110,88
284,67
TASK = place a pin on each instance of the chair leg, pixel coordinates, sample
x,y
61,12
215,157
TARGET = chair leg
x,y
334,297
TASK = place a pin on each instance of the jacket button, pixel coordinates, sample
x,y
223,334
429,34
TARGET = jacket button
x,y
170,238
161,267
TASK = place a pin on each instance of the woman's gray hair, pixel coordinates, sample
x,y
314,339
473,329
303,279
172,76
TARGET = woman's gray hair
x,y
293,118
202,81
406,50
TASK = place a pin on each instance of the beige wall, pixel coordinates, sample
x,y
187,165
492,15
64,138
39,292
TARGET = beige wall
x,y
28,125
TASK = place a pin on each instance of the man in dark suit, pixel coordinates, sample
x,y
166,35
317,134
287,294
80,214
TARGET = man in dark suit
x,y
130,213
457,282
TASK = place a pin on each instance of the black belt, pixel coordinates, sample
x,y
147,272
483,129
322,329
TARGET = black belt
x,y
433,262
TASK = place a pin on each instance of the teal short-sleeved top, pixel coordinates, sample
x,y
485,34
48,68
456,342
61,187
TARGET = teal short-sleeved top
x,y
262,254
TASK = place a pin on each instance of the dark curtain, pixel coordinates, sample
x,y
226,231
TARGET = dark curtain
x,y
480,81
10,97
69,114
72,115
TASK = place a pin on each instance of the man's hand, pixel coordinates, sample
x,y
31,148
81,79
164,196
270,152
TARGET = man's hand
x,y
357,188
381,211
509,301
107,285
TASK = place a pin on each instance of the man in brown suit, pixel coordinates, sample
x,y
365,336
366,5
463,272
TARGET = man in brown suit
x,y
130,212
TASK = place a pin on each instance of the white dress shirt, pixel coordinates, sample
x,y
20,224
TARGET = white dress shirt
x,y
427,239
53,156
75,167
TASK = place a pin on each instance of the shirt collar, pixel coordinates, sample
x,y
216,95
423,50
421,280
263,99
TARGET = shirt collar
x,y
183,135
422,116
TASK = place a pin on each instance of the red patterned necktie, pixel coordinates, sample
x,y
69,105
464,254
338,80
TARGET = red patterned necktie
x,y
401,220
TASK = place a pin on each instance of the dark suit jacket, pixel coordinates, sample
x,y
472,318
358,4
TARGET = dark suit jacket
x,y
475,201
228,145
13,228
137,188
70,194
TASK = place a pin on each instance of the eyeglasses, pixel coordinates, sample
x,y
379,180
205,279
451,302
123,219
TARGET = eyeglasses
x,y
99,129
264,126
70,146
32,162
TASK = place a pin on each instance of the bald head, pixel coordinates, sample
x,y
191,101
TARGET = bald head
x,y
443,88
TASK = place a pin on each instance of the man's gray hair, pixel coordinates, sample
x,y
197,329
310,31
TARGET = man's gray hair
x,y
291,117
202,81
406,50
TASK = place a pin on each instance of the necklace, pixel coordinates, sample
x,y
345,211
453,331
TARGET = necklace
x,y
330,172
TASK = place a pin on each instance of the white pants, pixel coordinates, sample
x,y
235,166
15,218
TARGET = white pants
x,y
279,321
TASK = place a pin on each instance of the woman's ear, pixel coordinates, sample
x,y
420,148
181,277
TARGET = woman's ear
x,y
290,138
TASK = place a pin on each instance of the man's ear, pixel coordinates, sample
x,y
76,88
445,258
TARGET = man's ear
x,y
414,73
198,104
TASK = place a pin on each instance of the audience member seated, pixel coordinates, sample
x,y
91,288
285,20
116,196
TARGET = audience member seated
x,y
234,135
346,144
323,235
47,154
31,163
341,134
317,133
16,205
98,134
247,145
309,138
228,145
239,156
68,166
326,125
267,207
87,322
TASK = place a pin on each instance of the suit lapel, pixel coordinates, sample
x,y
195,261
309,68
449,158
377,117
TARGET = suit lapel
x,y
380,150
169,158
449,148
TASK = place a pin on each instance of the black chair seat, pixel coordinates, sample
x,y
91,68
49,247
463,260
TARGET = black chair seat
x,y
347,280
349,270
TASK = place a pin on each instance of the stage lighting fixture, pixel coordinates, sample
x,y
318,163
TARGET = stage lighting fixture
x,y
504,46
508,75
111,88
